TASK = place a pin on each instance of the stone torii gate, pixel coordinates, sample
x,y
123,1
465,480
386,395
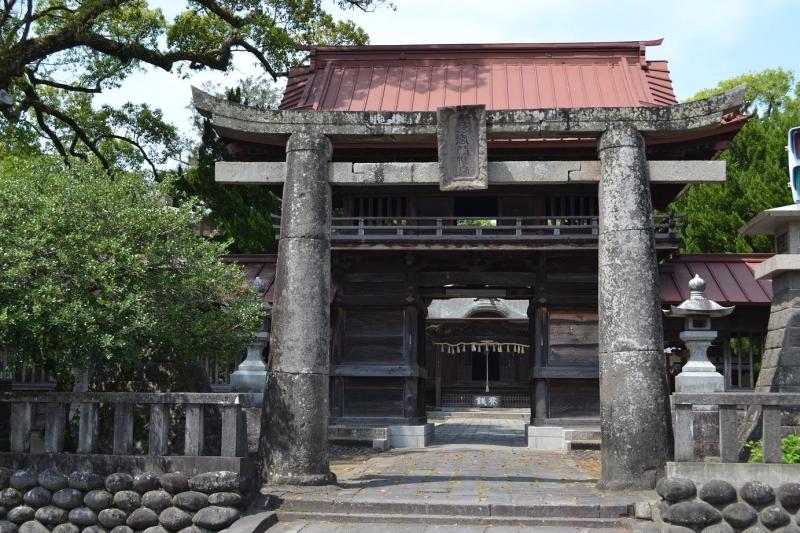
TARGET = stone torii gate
x,y
634,410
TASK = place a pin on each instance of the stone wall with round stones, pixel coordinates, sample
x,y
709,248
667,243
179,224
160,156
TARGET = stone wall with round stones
x,y
84,502
719,507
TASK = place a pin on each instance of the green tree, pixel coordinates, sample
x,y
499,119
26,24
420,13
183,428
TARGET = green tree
x,y
107,273
241,214
757,168
55,55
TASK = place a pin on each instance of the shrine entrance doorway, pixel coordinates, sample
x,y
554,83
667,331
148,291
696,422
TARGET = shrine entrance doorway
x,y
478,353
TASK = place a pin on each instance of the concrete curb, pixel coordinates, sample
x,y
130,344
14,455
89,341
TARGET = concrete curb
x,y
603,511
433,519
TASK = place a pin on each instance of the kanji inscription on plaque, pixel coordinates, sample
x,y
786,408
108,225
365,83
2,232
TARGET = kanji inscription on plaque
x,y
461,132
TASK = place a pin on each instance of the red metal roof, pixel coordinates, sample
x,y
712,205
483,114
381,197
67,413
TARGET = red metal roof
x,y
729,278
500,76
261,265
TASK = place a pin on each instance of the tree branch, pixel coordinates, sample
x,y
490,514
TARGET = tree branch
x,y
227,16
28,21
39,81
8,6
132,143
261,59
50,133
40,107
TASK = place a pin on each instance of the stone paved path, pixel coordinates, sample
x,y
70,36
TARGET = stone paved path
x,y
472,464
478,431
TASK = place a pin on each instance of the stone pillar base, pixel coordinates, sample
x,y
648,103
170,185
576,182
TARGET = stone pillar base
x,y
306,480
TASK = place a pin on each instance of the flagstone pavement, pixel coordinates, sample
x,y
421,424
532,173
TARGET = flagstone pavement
x,y
472,462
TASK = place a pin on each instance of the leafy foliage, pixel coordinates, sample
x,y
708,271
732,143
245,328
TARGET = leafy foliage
x,y
55,55
97,272
757,169
790,449
241,214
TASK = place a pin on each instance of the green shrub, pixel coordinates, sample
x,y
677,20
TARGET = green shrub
x,y
790,448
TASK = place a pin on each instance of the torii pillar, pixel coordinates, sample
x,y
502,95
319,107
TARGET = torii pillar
x,y
634,393
294,428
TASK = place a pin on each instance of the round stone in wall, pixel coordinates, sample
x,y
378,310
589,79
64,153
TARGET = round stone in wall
x,y
211,482
33,527
693,514
774,517
121,529
155,529
10,498
145,482
740,515
215,518
127,500
66,528
68,498
722,527
791,528
52,479
757,528
157,500
83,517
717,492
23,480
675,489
174,518
51,516
8,527
111,518
190,500
789,496
174,482
37,497
3,511
93,529
142,518
85,481
98,499
21,514
757,494
226,499
193,529
119,481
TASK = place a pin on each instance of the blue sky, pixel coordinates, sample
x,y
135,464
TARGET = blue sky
x,y
704,40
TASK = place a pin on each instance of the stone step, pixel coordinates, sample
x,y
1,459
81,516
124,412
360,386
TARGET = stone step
x,y
580,524
584,445
594,511
482,414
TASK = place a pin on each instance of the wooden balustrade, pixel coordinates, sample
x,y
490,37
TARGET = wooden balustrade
x,y
772,405
497,229
233,431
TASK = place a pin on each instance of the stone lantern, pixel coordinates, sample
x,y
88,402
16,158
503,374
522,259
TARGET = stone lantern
x,y
698,374
251,374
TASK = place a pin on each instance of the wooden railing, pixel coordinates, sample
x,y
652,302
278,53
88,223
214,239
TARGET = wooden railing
x,y
772,405
497,229
233,432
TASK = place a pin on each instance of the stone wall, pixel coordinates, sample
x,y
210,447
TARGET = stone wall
x,y
85,502
718,506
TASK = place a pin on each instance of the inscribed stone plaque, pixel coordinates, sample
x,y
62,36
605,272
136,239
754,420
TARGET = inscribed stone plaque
x,y
461,132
